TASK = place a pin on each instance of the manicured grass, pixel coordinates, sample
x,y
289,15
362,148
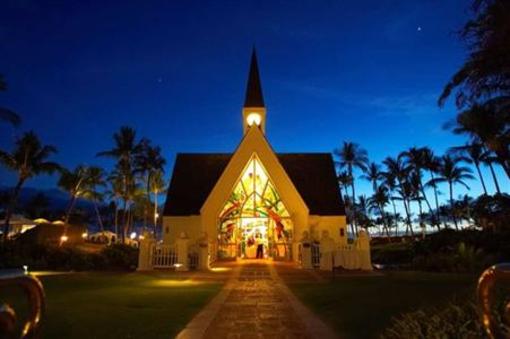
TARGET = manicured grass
x,y
361,307
118,305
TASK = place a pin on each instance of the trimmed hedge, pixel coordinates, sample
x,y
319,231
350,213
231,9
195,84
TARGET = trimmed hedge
x,y
44,257
447,251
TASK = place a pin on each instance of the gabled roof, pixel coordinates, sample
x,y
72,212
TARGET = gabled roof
x,y
254,97
194,176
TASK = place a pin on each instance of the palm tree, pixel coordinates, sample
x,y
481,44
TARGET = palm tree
x,y
345,180
390,184
377,202
485,124
28,159
6,114
157,185
373,175
452,173
74,183
485,71
115,193
351,156
125,151
417,159
95,182
148,162
489,160
399,170
473,153
431,164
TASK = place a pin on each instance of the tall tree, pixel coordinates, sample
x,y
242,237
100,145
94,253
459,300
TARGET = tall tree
x,y
472,153
351,156
417,160
396,168
484,124
431,164
372,173
149,161
74,183
94,188
377,202
452,173
6,114
486,71
28,159
125,151
157,185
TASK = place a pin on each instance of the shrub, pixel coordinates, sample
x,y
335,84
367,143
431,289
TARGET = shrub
x,y
456,320
46,257
118,256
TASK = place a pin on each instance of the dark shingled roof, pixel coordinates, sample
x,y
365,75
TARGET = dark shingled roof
x,y
254,96
194,176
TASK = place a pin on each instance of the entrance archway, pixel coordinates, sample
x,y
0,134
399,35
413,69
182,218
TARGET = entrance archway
x,y
254,217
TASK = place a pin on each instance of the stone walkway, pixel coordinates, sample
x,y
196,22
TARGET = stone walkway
x,y
255,303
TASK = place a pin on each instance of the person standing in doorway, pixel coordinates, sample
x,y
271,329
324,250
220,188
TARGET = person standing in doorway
x,y
260,247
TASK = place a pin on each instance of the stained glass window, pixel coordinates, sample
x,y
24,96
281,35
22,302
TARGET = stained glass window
x,y
254,196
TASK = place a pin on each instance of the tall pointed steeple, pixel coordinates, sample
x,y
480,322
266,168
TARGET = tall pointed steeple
x,y
254,110
254,97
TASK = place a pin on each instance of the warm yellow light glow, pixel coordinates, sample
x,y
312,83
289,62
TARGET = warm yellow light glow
x,y
141,237
253,118
156,215
132,235
220,269
84,235
175,283
64,238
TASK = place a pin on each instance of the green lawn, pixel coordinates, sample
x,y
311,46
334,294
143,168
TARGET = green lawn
x,y
118,305
360,307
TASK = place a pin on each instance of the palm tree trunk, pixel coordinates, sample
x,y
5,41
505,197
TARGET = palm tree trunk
x,y
408,217
354,207
124,221
422,224
436,200
12,206
116,221
155,211
477,166
68,213
504,160
452,206
99,220
496,183
395,216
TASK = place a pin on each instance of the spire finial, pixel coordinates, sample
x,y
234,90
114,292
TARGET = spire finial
x,y
254,96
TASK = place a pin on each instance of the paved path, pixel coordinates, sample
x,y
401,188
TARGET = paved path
x,y
255,303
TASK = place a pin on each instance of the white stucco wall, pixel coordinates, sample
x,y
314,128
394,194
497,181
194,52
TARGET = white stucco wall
x,y
333,224
173,226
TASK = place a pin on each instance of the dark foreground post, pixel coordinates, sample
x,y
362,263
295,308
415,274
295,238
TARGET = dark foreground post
x,y
34,291
486,283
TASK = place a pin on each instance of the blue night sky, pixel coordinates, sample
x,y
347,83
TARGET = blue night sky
x,y
364,71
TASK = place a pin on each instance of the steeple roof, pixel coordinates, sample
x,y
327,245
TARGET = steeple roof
x,y
254,96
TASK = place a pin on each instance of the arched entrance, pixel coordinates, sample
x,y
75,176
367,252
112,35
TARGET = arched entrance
x,y
254,218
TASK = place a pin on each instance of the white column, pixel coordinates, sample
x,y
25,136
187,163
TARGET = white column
x,y
182,252
145,253
306,251
203,252
326,249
